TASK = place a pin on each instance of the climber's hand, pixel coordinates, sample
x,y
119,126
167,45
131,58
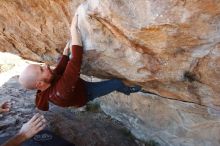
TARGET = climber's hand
x,y
5,107
33,126
75,32
66,50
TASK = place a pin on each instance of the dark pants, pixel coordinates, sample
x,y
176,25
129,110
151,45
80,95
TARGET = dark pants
x,y
97,89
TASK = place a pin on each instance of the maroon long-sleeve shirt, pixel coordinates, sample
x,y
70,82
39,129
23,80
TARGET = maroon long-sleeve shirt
x,y
67,89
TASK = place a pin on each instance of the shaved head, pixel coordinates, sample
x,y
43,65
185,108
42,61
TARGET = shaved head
x,y
36,76
29,77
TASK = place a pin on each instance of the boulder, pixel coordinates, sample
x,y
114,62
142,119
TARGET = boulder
x,y
36,30
171,48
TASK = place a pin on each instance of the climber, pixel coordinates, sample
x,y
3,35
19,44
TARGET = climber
x,y
63,85
28,130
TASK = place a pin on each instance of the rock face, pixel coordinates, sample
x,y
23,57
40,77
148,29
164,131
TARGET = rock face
x,y
168,122
35,29
170,47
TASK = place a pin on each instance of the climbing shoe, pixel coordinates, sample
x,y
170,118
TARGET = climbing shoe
x,y
134,89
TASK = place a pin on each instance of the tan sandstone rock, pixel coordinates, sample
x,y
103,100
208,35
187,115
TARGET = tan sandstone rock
x,y
169,47
36,29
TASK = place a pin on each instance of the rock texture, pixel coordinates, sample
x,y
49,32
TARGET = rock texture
x,y
170,47
168,122
37,29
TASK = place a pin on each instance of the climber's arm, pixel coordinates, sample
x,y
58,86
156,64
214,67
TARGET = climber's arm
x,y
29,129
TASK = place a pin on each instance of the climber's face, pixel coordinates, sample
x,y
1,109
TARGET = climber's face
x,y
36,76
45,73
